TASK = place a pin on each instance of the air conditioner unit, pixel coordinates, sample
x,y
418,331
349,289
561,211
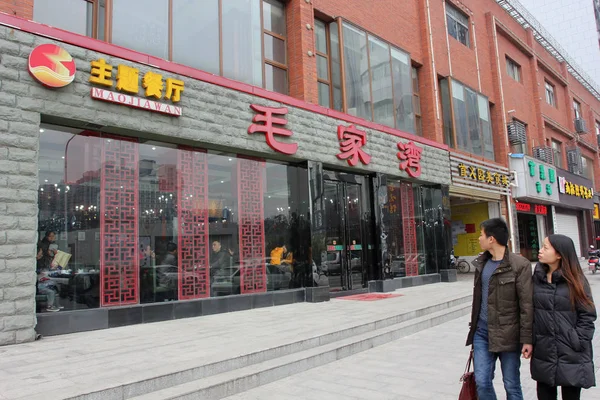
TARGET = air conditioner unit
x,y
574,160
517,133
580,125
544,153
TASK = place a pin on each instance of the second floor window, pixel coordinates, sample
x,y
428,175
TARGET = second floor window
x,y
244,40
577,109
417,102
550,98
329,75
467,122
557,153
458,24
513,69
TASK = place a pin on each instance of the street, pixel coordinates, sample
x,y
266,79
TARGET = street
x,y
426,365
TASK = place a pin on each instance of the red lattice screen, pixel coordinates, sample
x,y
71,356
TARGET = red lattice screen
x,y
193,245
119,264
252,227
409,229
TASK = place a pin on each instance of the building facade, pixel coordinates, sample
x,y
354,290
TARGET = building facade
x,y
299,151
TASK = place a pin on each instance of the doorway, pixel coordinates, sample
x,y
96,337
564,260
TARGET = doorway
x,y
345,206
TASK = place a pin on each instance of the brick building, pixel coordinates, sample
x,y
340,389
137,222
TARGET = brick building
x,y
300,150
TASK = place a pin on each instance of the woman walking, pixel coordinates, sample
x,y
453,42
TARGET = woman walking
x,y
563,326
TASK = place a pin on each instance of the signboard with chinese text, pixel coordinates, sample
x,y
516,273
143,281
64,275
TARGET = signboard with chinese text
x,y
575,190
596,211
537,209
128,84
535,180
468,172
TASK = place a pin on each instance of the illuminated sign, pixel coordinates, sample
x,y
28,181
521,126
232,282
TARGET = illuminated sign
x,y
572,189
528,208
482,175
128,81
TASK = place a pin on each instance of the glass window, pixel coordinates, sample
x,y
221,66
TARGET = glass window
x,y
513,69
274,17
458,24
275,46
577,109
405,242
336,70
597,128
276,79
447,112
68,220
356,69
242,53
417,102
403,91
587,166
323,83
471,120
557,153
381,82
550,99
193,20
147,31
274,49
70,15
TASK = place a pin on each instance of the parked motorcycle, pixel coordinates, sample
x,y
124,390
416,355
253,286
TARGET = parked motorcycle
x,y
593,259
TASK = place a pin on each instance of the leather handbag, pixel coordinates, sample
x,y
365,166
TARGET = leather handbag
x,y
468,390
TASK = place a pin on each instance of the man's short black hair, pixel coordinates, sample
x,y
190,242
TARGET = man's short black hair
x,y
496,228
171,247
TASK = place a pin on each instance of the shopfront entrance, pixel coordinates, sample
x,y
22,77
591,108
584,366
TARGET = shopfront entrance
x,y
346,203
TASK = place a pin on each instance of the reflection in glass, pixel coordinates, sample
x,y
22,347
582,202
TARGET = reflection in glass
x,y
274,49
68,220
460,116
403,91
70,15
146,32
323,94
381,82
336,71
274,16
356,68
486,127
242,53
322,72
196,34
321,36
276,79
157,217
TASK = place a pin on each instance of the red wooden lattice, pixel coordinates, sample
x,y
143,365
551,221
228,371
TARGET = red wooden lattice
x,y
409,229
119,264
251,224
193,244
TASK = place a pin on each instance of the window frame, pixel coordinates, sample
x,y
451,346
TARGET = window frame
x,y
577,109
453,129
108,34
513,69
417,99
597,125
329,81
449,14
550,91
558,149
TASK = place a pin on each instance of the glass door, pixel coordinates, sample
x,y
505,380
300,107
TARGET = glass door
x,y
344,235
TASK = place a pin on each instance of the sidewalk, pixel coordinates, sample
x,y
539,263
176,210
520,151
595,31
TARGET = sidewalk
x,y
426,365
69,365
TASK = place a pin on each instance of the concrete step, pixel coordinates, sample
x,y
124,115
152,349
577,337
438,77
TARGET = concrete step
x,y
202,371
245,378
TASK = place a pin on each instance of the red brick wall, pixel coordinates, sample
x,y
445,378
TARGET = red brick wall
x,y
19,8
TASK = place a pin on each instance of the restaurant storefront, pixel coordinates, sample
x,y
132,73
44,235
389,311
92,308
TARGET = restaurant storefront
x,y
534,192
478,191
165,192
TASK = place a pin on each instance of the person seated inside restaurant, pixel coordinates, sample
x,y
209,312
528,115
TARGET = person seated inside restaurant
x,y
45,285
220,259
171,257
49,248
281,257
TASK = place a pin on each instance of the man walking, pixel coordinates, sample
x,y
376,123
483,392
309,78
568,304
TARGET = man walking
x,y
502,315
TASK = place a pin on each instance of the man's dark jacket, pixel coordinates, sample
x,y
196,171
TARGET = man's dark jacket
x,y
510,303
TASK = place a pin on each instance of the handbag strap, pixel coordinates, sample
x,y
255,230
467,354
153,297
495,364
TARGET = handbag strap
x,y
469,361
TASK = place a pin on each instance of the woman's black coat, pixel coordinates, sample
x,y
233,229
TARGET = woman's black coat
x,y
562,334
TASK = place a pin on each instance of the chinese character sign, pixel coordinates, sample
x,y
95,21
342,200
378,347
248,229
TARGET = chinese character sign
x,y
482,175
265,122
351,142
410,156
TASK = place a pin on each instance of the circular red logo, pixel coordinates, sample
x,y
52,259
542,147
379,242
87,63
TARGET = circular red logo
x,y
52,66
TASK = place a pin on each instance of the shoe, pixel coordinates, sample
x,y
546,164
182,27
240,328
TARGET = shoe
x,y
52,309
60,307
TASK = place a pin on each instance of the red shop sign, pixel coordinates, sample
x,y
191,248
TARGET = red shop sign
x,y
537,208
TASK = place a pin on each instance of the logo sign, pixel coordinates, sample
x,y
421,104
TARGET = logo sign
x,y
528,208
154,86
596,211
52,66
535,180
